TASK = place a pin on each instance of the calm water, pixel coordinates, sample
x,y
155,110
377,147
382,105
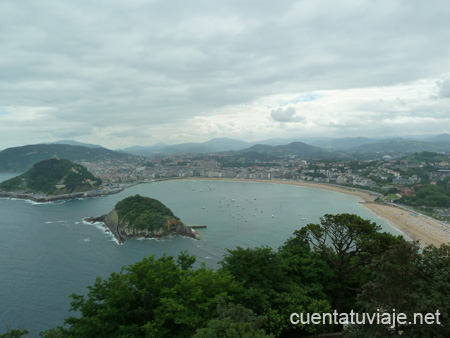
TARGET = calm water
x,y
47,252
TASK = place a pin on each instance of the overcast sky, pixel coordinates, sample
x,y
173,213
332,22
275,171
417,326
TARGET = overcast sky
x,y
135,72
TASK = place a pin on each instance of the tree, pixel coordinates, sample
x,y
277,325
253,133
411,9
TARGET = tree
x,y
234,321
347,243
409,282
259,270
14,333
269,290
191,303
154,298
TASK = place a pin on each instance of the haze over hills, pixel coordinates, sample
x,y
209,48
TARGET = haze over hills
x,y
22,158
400,146
76,143
352,145
212,146
299,149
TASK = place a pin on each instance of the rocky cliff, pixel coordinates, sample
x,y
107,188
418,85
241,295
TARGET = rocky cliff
x,y
122,229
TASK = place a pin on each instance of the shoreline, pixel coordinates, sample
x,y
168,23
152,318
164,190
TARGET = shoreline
x,y
409,223
416,226
52,198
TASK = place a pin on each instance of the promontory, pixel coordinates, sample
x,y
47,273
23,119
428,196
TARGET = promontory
x,y
53,179
137,216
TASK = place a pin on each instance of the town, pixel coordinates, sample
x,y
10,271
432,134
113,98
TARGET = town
x,y
421,181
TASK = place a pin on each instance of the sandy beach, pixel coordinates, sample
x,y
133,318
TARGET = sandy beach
x,y
415,226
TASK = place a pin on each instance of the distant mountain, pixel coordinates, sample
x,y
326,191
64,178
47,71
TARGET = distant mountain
x,y
343,143
351,144
212,146
439,139
299,149
20,159
75,143
279,141
224,144
144,150
399,146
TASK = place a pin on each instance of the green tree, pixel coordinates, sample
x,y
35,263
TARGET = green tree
x,y
153,298
14,333
233,321
259,270
190,304
429,195
348,243
270,291
410,282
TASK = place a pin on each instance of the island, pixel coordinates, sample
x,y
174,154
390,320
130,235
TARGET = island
x,y
137,216
54,179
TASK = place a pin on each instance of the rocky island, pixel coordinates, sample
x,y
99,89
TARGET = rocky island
x,y
53,179
138,216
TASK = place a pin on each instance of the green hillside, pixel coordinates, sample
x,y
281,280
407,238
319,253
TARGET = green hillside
x,y
20,159
53,177
399,146
299,149
144,213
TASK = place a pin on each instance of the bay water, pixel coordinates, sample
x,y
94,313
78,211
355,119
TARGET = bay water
x,y
48,252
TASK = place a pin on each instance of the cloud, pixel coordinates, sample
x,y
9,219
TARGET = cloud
x,y
444,89
154,65
286,115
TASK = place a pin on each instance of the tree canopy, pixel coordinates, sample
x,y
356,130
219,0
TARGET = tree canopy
x,y
53,176
344,261
144,212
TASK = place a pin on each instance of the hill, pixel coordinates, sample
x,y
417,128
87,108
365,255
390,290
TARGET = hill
x,y
298,149
137,216
20,159
53,177
212,146
75,143
399,146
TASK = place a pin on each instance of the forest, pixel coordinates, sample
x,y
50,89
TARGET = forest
x,y
143,212
45,175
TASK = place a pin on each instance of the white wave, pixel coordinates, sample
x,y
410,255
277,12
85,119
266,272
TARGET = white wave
x,y
54,222
114,239
103,228
42,203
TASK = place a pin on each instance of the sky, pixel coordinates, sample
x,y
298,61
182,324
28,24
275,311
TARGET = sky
x,y
120,73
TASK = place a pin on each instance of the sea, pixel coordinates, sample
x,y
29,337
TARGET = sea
x,y
48,252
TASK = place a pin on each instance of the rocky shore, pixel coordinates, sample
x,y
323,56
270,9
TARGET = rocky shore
x,y
121,230
35,197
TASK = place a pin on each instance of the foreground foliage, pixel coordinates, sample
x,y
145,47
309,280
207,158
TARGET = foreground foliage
x,y
345,261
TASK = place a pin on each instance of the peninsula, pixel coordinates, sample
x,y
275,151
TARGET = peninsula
x,y
137,216
54,179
